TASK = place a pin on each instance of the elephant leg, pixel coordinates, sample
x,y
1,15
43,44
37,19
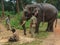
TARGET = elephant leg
x,y
37,28
50,27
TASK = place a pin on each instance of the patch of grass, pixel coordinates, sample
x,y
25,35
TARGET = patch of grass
x,y
15,21
42,31
36,42
59,14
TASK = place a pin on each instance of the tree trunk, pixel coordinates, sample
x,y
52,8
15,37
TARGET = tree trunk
x,y
17,4
2,2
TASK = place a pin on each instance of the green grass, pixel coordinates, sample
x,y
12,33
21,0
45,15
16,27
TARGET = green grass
x,y
59,14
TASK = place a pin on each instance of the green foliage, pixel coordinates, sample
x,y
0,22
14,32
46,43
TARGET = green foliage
x,y
59,14
7,13
16,20
10,6
0,13
0,7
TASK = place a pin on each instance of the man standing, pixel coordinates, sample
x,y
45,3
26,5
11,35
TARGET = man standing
x,y
33,24
8,22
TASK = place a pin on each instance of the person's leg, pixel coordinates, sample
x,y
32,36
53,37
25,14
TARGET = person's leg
x,y
32,32
24,28
9,26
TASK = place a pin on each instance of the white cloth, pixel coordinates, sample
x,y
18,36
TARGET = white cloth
x,y
34,21
7,20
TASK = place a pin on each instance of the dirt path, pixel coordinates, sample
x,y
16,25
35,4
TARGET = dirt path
x,y
54,38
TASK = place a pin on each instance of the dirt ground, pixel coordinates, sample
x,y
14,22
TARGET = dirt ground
x,y
53,39
5,34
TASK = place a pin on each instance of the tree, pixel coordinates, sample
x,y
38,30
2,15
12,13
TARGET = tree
x,y
17,6
2,2
23,3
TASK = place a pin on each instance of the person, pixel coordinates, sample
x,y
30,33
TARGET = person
x,y
8,22
14,37
33,24
23,25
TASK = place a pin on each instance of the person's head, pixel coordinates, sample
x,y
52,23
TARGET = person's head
x,y
13,30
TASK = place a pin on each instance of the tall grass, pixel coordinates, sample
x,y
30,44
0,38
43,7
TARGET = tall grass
x,y
15,21
59,14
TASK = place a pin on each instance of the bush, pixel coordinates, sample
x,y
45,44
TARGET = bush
x,y
16,20
0,13
59,14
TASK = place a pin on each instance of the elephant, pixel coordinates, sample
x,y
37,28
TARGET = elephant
x,y
46,13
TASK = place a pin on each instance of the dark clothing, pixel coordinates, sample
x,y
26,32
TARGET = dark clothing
x,y
14,38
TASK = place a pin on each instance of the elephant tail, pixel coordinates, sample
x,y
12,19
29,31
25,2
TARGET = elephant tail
x,y
56,21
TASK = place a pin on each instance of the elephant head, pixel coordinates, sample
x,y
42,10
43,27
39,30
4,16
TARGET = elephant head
x,y
30,10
